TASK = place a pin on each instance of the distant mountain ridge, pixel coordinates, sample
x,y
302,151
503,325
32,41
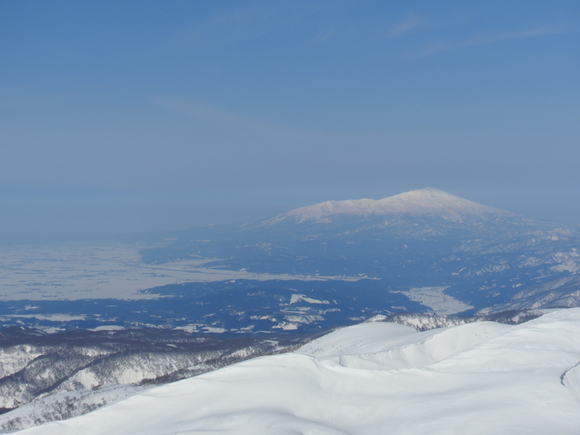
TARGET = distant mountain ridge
x,y
335,263
423,202
484,257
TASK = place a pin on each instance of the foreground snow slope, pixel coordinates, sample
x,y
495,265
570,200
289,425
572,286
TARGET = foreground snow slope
x,y
377,378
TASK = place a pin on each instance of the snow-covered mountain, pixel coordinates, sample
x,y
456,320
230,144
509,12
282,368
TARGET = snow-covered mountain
x,y
430,202
563,291
320,267
446,253
45,377
338,263
375,378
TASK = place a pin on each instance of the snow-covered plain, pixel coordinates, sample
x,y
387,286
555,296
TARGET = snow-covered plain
x,y
72,272
375,378
434,298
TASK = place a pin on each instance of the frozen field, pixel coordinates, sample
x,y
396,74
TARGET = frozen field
x,y
439,302
72,272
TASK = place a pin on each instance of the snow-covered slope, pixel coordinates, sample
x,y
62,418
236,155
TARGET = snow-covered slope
x,y
562,292
428,201
375,378
47,377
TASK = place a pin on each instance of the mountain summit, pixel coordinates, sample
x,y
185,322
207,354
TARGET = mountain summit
x,y
422,202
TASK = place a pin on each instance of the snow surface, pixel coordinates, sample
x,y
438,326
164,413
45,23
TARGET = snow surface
x,y
115,271
428,201
436,299
375,378
561,292
69,404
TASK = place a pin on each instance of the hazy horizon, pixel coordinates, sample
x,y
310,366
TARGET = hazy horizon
x,y
36,218
151,116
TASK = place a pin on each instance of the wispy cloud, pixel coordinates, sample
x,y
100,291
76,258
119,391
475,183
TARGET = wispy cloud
x,y
405,26
323,36
30,98
485,39
231,122
259,132
230,25
505,36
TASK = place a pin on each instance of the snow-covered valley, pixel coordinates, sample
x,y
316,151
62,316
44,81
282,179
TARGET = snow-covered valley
x,y
374,378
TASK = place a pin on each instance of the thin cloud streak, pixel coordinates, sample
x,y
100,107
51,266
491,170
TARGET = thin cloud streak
x,y
323,37
266,132
265,135
240,125
235,24
443,46
405,26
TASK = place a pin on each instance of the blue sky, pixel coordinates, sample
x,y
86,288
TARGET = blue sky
x,y
143,115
